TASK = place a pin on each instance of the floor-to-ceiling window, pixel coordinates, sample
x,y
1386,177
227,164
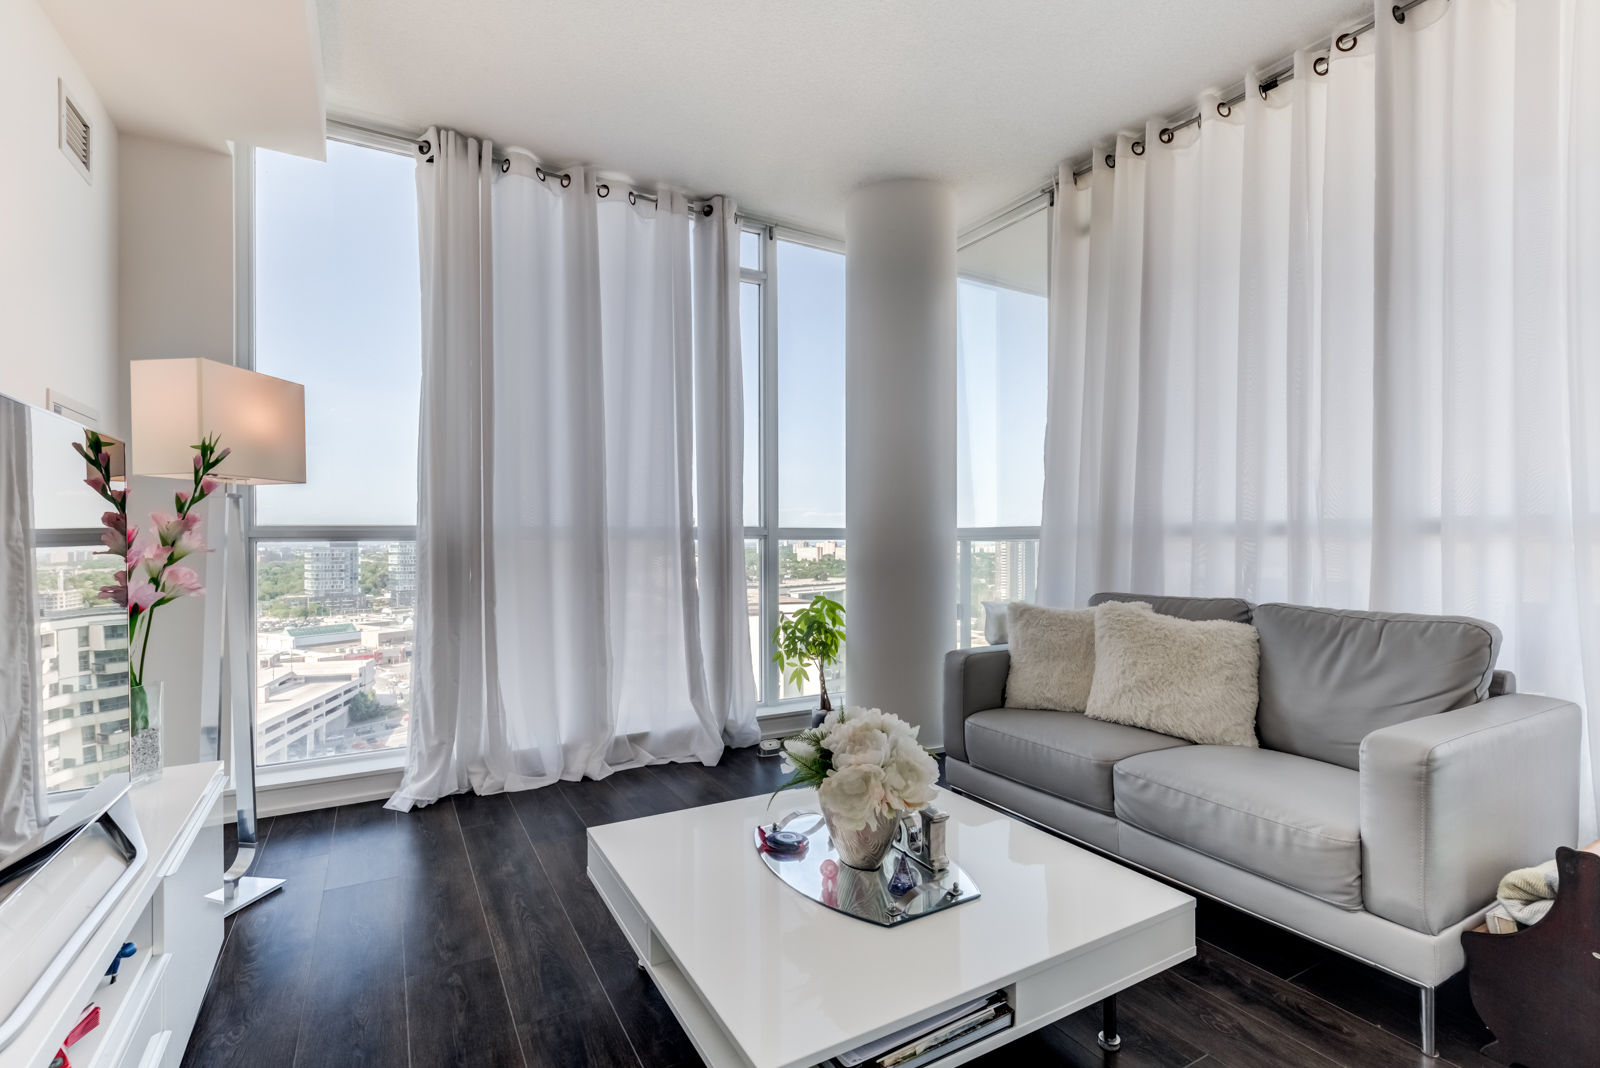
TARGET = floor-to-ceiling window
x,y
1002,323
337,308
792,315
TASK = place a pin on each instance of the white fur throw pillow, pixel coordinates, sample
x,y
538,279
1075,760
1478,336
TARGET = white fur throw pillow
x,y
1052,657
1194,679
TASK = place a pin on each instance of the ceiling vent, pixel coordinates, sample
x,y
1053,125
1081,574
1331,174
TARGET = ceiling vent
x,y
76,143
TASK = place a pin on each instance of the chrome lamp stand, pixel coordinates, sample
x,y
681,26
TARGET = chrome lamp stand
x,y
239,887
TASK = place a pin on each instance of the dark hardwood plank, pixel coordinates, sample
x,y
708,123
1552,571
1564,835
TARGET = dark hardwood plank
x,y
655,1033
596,802
1050,1048
367,846
1342,1036
300,834
252,1010
644,793
457,1017
1147,1040
355,1010
565,860
444,922
475,809
693,784
1224,1032
1262,944
586,1037
545,969
1394,1005
545,813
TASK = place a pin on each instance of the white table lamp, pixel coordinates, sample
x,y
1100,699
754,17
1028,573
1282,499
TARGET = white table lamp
x,y
176,404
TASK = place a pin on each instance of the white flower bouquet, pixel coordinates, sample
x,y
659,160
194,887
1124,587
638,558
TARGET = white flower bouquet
x,y
865,764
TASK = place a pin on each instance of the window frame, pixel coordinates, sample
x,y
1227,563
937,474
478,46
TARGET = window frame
x,y
1044,201
244,355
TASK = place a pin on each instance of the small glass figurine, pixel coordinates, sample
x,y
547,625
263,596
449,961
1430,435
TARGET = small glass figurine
x,y
904,880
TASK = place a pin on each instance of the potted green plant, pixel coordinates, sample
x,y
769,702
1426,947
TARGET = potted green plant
x,y
813,635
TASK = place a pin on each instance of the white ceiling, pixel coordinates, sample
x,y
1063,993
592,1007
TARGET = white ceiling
x,y
203,72
788,105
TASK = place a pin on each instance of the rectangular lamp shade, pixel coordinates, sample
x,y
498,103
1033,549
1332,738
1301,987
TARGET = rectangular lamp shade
x,y
178,402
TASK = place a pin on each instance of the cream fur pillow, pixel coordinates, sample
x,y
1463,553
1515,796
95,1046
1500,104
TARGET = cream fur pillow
x,y
1052,657
1194,679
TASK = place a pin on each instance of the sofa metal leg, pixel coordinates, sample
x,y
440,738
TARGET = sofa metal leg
x,y
1430,1043
1108,1037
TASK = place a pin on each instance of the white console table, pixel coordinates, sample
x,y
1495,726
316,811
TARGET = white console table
x,y
147,1014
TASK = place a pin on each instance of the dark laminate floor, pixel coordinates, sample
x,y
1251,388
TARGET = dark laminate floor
x,y
467,933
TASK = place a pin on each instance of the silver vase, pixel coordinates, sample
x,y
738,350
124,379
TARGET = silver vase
x,y
863,849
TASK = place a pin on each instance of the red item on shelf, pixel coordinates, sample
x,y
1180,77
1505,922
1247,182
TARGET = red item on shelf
x,y
88,1022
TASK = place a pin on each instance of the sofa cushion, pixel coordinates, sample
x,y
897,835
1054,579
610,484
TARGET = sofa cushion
x,y
1231,609
1286,818
1190,678
1065,754
1329,677
1052,656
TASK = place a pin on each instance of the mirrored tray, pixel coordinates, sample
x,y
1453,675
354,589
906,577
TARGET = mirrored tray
x,y
819,874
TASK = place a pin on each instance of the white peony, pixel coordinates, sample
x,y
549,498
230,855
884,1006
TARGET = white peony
x,y
910,775
855,795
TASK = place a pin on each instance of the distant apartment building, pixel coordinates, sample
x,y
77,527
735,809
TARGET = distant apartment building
x,y
812,551
84,654
1016,570
333,575
403,574
298,705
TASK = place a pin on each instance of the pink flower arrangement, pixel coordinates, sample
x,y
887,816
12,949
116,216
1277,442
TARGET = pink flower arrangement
x,y
153,576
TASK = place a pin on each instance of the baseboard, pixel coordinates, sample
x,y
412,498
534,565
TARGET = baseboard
x,y
303,794
783,724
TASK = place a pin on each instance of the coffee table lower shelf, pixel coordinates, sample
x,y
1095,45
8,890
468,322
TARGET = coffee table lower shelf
x,y
1038,998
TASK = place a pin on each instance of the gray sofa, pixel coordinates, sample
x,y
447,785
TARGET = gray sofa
x,y
1399,777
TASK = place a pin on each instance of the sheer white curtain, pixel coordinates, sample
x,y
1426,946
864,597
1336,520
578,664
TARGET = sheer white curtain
x,y
23,805
1339,345
581,461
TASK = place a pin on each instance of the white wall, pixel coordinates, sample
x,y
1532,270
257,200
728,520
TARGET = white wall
x,y
58,233
176,300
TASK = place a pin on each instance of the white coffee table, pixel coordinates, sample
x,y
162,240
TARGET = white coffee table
x,y
762,977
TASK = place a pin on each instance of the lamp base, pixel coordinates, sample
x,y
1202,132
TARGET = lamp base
x,y
251,889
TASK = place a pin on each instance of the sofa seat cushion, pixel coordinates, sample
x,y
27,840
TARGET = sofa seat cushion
x,y
1065,754
1286,818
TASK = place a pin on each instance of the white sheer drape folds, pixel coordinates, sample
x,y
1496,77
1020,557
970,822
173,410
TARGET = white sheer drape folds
x,y
23,805
604,647
719,428
1340,346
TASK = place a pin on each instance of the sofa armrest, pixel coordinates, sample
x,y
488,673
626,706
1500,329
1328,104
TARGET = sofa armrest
x,y
974,679
1451,802
1502,682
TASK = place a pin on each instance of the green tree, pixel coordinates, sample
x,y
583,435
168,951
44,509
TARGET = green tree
x,y
363,708
815,634
276,578
375,573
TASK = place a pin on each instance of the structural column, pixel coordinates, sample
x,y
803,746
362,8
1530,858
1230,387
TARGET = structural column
x,y
900,447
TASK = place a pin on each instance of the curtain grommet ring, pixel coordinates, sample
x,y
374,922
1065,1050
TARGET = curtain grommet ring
x,y
1138,148
424,147
539,173
632,199
1399,14
1320,65
566,180
1347,42
1167,135
707,211
1111,160
602,190
1224,108
505,166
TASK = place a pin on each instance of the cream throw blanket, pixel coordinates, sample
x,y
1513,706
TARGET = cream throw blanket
x,y
1528,893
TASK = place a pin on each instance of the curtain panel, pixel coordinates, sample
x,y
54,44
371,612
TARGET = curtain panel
x,y
24,806
593,409
1338,345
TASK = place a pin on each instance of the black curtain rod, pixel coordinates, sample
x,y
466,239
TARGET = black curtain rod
x,y
1343,43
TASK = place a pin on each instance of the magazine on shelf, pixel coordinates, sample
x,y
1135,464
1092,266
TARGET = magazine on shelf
x,y
927,1040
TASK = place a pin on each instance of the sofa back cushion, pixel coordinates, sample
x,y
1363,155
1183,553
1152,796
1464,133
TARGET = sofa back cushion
x,y
1231,609
1331,677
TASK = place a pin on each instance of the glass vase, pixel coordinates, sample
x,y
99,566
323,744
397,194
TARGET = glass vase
x,y
144,751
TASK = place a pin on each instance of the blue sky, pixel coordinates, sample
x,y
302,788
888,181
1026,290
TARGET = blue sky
x,y
338,309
